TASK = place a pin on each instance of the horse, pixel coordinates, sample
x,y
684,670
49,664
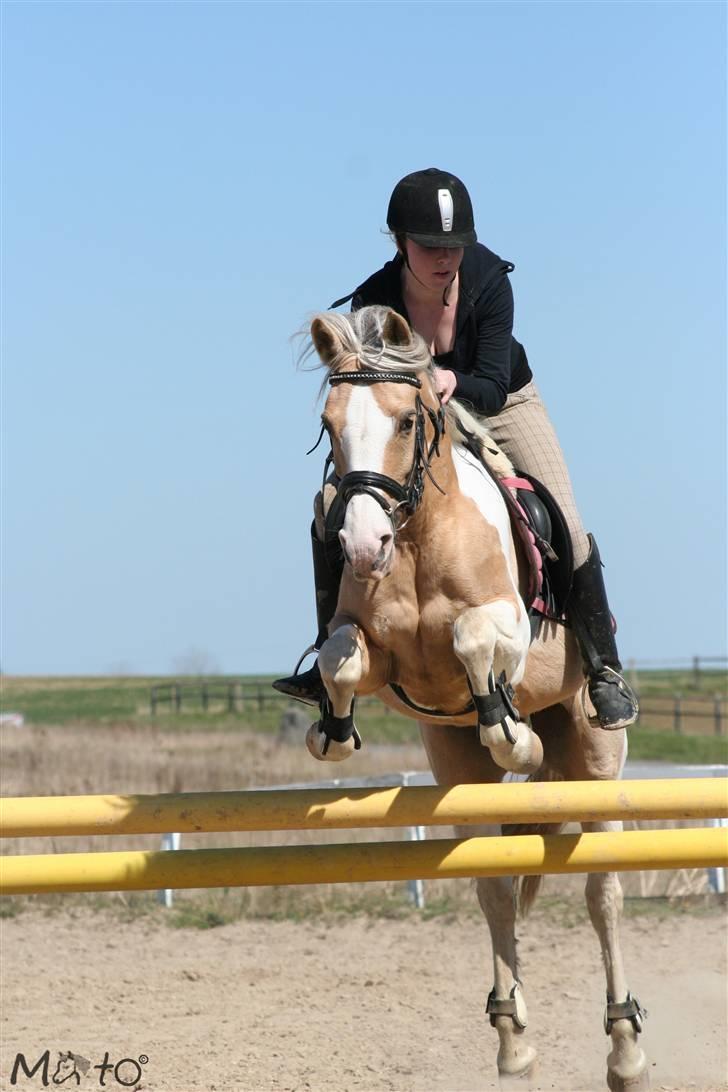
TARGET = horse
x,y
68,1066
431,619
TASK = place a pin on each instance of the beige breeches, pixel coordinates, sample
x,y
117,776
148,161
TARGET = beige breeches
x,y
524,431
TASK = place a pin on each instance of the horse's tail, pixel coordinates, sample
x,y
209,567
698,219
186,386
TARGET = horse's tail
x,y
526,888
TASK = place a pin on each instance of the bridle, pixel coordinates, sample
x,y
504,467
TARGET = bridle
x,y
405,497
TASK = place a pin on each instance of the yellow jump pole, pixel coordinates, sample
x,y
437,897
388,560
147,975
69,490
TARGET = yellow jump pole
x,y
354,863
319,809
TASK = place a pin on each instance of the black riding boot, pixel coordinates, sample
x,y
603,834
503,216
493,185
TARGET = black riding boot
x,y
588,611
308,686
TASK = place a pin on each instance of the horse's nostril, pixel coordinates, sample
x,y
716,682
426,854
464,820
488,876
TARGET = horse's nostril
x,y
386,539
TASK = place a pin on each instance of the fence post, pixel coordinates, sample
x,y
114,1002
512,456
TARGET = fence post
x,y
153,701
260,697
677,711
205,698
696,670
176,689
169,841
718,714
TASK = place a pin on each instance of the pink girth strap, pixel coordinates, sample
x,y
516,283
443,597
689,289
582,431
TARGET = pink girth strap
x,y
536,559
518,483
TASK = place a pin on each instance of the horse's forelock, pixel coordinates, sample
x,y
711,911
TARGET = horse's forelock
x,y
360,337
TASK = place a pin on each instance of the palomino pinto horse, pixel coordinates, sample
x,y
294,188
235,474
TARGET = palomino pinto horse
x,y
430,605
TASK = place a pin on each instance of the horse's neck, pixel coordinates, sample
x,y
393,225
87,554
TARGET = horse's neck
x,y
435,504
456,518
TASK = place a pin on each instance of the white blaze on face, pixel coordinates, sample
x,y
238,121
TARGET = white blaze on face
x,y
364,440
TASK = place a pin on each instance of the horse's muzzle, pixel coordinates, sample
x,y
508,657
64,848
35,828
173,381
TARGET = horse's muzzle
x,y
368,562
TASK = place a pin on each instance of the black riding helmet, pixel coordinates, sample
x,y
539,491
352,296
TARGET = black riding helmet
x,y
432,208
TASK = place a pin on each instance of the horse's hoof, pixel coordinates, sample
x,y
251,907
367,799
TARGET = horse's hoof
x,y
638,1083
521,1080
335,752
525,756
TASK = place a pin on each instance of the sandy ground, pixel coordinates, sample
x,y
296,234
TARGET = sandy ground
x,y
361,1004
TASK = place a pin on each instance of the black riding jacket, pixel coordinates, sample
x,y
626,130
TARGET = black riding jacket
x,y
487,360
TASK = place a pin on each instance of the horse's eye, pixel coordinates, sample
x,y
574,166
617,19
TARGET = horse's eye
x,y
406,423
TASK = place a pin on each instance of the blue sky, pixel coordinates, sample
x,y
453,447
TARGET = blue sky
x,y
183,184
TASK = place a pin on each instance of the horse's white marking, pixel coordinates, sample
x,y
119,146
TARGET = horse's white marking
x,y
475,482
364,440
444,200
493,637
366,433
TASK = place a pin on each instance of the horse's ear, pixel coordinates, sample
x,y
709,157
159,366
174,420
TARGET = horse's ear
x,y
396,330
325,340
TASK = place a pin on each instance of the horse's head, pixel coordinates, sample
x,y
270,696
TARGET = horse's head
x,y
384,421
66,1068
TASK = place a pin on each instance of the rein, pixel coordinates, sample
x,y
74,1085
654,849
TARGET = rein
x,y
405,496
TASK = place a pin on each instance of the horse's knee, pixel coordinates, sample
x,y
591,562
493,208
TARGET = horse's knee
x,y
340,658
474,635
496,633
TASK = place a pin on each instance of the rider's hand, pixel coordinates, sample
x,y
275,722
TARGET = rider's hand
x,y
445,383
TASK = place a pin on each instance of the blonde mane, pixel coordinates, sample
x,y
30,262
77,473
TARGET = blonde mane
x,y
361,345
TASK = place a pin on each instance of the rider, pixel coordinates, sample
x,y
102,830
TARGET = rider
x,y
457,295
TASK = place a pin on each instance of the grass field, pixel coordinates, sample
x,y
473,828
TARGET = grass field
x,y
113,700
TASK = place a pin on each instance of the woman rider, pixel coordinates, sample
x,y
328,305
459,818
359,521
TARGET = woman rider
x,y
457,295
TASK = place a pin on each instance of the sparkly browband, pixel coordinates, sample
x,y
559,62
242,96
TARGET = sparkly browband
x,y
375,377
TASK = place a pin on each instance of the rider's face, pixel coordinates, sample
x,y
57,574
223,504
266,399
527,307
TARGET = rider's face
x,y
433,266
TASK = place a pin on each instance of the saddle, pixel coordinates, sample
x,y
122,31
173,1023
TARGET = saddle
x,y
539,525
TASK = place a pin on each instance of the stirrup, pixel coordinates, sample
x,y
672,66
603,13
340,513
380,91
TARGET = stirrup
x,y
618,718
302,657
307,687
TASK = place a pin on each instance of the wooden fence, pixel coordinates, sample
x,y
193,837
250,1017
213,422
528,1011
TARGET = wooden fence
x,y
688,715
685,715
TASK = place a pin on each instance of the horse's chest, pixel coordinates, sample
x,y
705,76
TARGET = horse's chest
x,y
412,630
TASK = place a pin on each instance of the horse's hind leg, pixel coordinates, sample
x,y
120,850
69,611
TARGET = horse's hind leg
x,y
626,1064
456,756
506,1005
488,640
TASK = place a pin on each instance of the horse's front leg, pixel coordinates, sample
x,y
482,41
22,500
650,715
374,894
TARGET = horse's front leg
x,y
491,640
347,663
626,1065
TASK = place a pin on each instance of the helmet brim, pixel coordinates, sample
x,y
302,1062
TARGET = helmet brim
x,y
449,241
